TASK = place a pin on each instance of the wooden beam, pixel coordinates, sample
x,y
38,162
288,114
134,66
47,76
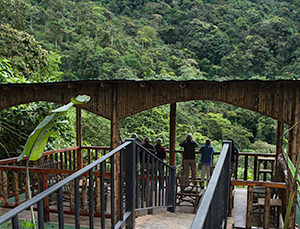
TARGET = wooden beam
x,y
259,183
267,207
172,154
249,207
115,141
279,142
79,138
292,146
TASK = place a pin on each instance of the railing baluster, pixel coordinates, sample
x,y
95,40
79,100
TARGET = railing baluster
x,y
102,195
60,208
96,158
163,185
16,187
91,198
137,177
77,204
246,168
70,160
15,222
130,168
56,160
159,183
152,180
41,214
147,181
66,160
121,183
143,179
166,186
89,156
84,193
61,161
156,174
74,160
112,190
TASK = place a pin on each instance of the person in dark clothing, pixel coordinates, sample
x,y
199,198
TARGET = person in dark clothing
x,y
160,150
136,137
147,144
207,152
234,152
189,146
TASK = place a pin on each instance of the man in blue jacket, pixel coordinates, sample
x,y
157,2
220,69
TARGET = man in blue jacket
x,y
207,152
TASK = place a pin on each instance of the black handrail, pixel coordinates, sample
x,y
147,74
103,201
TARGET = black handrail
x,y
136,172
214,206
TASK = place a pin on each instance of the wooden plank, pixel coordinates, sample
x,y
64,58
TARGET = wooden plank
x,y
47,153
249,207
259,183
267,207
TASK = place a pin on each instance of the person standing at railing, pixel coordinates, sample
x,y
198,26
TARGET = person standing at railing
x,y
206,161
234,152
189,146
160,150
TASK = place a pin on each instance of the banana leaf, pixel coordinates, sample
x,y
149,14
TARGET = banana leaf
x,y
38,139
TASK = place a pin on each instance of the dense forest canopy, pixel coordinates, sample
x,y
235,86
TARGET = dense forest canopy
x,y
54,40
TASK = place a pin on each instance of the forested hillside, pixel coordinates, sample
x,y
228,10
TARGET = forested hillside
x,y
53,40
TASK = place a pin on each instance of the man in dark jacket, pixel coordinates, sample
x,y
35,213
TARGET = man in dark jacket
x,y
189,146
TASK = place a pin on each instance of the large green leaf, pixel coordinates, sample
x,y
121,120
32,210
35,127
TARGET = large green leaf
x,y
64,108
81,99
291,166
37,140
40,145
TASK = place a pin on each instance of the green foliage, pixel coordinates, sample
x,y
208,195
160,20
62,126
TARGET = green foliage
x,y
37,140
25,54
44,41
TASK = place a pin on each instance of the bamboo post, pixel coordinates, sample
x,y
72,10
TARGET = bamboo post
x,y
46,199
79,138
249,207
115,141
172,155
98,197
279,142
267,207
5,186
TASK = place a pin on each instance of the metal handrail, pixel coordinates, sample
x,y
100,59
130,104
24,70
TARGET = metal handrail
x,y
162,174
58,185
214,206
